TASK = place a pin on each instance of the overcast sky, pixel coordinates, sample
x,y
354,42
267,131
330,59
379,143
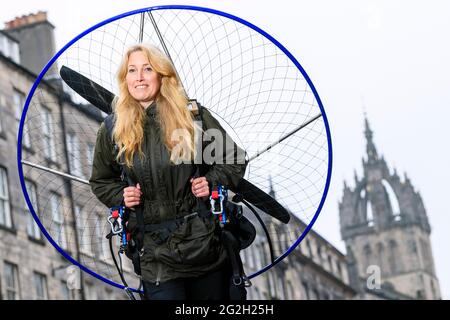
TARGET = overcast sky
x,y
390,58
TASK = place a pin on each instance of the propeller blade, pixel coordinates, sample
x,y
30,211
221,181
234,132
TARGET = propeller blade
x,y
261,200
88,89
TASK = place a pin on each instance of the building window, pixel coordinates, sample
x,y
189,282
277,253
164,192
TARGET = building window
x,y
255,296
11,281
426,255
109,294
2,107
250,254
316,295
89,292
66,292
339,269
99,236
19,102
9,48
367,254
90,153
47,130
308,244
282,243
4,47
90,149
433,290
83,230
32,227
306,288
243,255
394,257
15,52
420,294
273,285
265,254
381,256
412,246
5,212
258,252
370,216
281,288
73,148
319,254
290,291
338,296
40,285
330,264
58,220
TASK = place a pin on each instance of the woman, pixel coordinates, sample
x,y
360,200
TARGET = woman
x,y
183,257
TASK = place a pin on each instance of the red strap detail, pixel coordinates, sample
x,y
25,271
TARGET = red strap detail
x,y
115,214
215,195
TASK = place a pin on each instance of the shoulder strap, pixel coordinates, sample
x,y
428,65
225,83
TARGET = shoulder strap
x,y
110,120
196,109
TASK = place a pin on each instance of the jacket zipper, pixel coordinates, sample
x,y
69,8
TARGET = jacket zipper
x,y
158,274
158,267
155,182
153,168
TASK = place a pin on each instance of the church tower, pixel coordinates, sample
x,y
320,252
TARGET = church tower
x,y
385,228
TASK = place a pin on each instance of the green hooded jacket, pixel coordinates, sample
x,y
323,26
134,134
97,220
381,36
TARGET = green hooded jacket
x,y
194,247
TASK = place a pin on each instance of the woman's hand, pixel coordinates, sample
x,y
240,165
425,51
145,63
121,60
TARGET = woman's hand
x,y
200,187
132,196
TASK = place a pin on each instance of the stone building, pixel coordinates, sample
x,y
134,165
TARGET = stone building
x,y
314,270
387,234
30,267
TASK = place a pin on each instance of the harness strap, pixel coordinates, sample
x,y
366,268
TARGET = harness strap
x,y
139,231
170,224
238,278
200,170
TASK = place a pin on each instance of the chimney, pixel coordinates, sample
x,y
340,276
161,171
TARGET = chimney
x,y
36,40
41,16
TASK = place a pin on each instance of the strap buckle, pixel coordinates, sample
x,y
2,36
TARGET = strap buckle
x,y
221,196
115,219
213,198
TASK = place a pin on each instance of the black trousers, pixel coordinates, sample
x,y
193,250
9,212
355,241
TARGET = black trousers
x,y
212,286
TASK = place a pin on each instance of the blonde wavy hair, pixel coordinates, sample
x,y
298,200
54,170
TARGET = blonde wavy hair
x,y
172,111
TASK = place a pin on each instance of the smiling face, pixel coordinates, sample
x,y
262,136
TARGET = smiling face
x,y
143,83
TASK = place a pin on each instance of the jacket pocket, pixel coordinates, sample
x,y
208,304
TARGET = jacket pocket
x,y
194,243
